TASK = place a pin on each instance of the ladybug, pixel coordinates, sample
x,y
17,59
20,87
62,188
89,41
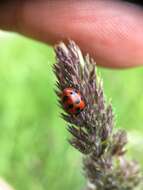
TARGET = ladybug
x,y
72,101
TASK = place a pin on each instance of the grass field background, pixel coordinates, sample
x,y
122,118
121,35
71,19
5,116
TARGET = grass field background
x,y
34,153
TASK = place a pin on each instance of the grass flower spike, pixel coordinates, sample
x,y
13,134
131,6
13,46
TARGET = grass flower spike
x,y
104,163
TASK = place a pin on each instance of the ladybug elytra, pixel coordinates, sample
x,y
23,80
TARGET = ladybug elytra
x,y
73,101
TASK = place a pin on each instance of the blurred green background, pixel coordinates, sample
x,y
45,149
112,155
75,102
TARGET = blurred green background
x,y
34,153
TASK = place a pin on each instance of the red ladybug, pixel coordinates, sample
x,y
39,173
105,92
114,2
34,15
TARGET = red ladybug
x,y
73,101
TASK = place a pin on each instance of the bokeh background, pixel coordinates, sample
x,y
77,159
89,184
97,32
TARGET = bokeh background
x,y
34,152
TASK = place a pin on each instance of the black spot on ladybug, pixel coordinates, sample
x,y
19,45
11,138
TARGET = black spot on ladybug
x,y
81,98
73,93
77,101
65,98
70,106
76,91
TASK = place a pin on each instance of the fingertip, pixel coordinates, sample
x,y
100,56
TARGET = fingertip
x,y
110,31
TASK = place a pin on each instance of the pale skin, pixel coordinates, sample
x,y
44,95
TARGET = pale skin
x,y
110,30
